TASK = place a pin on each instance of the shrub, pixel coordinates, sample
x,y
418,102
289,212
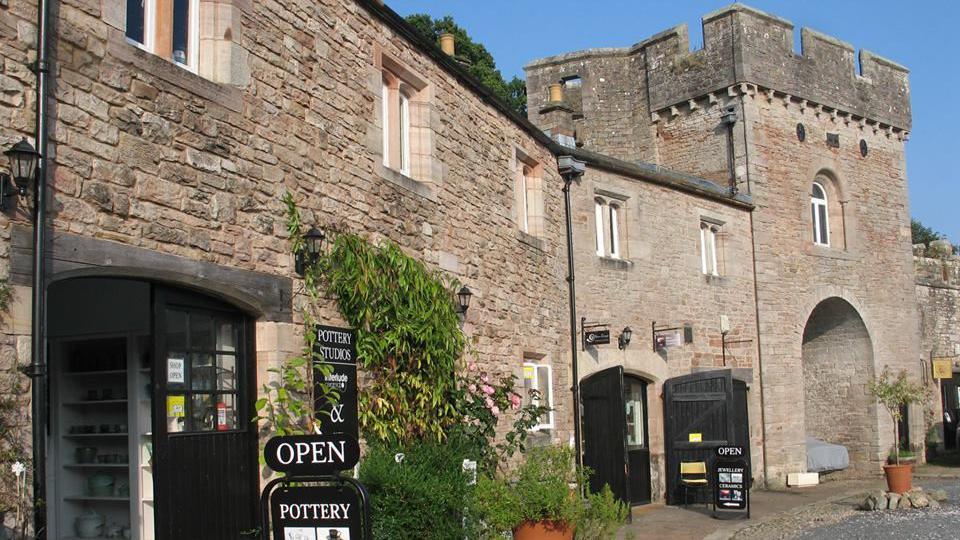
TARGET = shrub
x,y
424,495
602,517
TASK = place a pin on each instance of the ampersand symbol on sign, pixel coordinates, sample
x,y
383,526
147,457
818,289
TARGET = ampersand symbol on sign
x,y
336,414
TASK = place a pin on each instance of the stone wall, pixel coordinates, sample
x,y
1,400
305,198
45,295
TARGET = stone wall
x,y
658,278
149,155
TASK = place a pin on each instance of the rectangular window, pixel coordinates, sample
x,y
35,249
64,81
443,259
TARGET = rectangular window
x,y
708,248
523,201
528,194
539,377
614,233
598,214
404,135
170,29
385,120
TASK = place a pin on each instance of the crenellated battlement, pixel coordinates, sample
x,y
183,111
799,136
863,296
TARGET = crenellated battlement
x,y
744,45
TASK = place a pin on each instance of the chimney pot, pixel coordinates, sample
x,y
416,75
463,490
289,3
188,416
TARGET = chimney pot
x,y
448,44
556,93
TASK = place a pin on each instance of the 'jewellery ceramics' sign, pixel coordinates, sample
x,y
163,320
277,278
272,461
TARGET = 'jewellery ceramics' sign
x,y
732,478
312,455
338,348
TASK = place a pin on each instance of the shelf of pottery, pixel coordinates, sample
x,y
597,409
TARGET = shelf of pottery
x,y
101,397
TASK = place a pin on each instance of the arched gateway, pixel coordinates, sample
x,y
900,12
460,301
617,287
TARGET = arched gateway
x,y
837,357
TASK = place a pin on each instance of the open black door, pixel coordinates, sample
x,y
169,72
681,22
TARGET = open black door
x,y
699,413
604,431
205,446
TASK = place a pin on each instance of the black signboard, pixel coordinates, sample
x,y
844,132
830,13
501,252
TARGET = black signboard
x,y
732,479
316,513
599,336
338,348
312,455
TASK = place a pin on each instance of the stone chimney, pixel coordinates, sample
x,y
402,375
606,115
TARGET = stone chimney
x,y
448,44
556,118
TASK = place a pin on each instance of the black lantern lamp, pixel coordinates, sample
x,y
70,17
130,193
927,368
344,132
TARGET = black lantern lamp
x,y
309,254
624,338
23,170
463,299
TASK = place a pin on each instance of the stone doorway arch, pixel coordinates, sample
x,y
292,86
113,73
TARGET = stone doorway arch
x,y
837,357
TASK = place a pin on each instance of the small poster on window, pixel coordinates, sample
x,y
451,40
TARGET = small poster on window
x,y
176,370
176,407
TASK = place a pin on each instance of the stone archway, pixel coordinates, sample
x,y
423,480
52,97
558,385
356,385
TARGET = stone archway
x,y
837,357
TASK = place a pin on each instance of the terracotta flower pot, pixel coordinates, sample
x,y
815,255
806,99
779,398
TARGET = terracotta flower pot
x,y
899,477
543,530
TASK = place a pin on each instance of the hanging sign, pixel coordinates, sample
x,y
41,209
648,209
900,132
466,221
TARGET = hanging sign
x,y
312,455
942,368
732,471
338,348
316,513
596,336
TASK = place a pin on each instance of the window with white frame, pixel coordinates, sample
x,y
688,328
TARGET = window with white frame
x,y
538,377
820,215
404,111
395,111
167,28
608,225
528,195
709,245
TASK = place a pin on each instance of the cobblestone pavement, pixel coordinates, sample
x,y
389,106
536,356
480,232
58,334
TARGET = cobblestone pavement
x,y
841,520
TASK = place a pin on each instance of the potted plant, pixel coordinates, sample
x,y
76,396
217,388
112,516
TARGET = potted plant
x,y
894,394
540,503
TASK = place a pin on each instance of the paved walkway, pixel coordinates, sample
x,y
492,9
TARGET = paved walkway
x,y
657,521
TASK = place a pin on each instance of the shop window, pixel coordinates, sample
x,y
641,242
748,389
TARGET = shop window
x,y
167,28
404,115
608,225
538,377
528,195
710,248
819,215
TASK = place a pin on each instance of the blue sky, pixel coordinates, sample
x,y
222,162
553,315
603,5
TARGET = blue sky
x,y
919,34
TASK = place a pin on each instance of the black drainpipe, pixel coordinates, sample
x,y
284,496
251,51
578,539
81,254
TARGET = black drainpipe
x,y
38,329
571,170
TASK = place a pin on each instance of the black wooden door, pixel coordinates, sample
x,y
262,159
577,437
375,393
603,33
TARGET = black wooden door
x,y
205,446
697,406
638,439
604,431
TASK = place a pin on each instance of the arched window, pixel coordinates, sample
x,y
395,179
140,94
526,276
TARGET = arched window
x,y
819,213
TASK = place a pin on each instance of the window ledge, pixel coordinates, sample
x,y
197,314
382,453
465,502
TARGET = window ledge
x,y
828,252
714,279
416,187
227,96
615,263
533,241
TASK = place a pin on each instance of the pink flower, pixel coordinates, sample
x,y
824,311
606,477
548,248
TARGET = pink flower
x,y
495,410
514,401
472,388
485,378
487,389
489,402
472,366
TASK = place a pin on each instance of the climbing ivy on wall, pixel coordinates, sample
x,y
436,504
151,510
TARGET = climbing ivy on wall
x,y
408,334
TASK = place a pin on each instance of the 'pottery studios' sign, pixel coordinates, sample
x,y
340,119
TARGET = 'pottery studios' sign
x,y
299,514
338,347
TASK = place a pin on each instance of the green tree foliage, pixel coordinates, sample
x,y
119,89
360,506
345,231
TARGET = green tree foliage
x,y
893,393
921,234
512,93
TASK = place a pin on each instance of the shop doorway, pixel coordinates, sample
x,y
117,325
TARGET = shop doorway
x,y
151,395
950,397
701,412
615,435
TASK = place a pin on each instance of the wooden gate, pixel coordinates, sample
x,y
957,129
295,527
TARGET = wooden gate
x,y
701,411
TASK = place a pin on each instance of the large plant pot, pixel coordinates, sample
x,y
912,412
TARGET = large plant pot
x,y
543,530
899,478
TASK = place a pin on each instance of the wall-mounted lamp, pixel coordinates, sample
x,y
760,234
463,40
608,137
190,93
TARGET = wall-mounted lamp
x,y
624,338
23,171
310,253
463,299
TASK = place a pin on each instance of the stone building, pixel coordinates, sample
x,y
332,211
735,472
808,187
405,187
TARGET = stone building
x,y
818,145
937,273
